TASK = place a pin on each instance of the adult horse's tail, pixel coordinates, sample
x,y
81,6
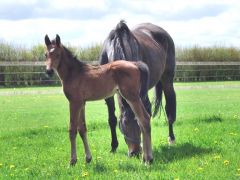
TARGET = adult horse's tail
x,y
158,98
144,72
168,75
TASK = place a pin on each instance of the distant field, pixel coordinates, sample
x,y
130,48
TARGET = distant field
x,y
34,140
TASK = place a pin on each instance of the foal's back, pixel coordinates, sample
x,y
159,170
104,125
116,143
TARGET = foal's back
x,y
98,82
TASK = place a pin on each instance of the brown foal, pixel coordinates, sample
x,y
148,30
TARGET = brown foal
x,y
82,82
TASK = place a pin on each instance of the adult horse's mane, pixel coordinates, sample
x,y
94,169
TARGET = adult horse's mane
x,y
120,28
122,39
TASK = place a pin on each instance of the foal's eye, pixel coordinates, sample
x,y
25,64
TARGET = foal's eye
x,y
45,54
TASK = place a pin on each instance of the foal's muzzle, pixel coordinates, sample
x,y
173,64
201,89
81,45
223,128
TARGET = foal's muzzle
x,y
50,72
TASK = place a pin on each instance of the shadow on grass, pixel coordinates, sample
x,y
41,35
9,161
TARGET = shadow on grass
x,y
212,119
209,119
168,154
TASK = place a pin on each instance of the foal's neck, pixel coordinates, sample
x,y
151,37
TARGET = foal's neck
x,y
69,66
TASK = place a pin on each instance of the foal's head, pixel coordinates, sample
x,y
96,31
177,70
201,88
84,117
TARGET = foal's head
x,y
53,54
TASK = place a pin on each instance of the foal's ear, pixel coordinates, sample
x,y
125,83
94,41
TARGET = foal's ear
x,y
58,40
47,40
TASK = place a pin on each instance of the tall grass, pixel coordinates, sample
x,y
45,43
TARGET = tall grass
x,y
11,52
89,53
214,53
34,75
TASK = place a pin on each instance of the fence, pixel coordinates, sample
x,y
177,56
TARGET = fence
x,y
33,73
207,71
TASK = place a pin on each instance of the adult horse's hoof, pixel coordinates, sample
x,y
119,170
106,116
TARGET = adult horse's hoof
x,y
171,141
114,149
148,162
73,162
88,159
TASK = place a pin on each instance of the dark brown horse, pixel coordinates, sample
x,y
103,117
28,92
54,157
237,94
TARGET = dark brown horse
x,y
154,46
82,82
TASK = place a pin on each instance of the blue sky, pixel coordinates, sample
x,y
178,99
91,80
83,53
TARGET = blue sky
x,y
86,22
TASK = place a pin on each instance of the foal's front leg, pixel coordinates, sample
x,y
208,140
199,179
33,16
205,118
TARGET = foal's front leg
x,y
74,116
83,134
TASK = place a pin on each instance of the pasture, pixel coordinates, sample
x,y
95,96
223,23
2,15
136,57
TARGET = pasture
x,y
34,141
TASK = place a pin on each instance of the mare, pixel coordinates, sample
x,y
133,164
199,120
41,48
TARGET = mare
x,y
155,47
82,82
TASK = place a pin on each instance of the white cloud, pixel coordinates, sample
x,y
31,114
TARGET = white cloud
x,y
69,4
83,23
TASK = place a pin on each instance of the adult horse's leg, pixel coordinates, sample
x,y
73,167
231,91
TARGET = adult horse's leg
x,y
145,126
83,134
74,116
170,107
112,121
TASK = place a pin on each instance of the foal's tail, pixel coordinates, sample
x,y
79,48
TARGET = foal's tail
x,y
144,78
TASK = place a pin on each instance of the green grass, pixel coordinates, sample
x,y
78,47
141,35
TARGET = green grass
x,y
34,140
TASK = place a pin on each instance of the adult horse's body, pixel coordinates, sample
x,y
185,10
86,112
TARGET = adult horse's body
x,y
154,46
82,82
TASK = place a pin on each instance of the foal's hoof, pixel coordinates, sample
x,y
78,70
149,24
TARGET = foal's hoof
x,y
171,141
73,162
88,159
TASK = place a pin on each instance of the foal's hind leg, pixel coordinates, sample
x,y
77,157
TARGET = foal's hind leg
x,y
144,123
147,105
112,121
83,134
170,108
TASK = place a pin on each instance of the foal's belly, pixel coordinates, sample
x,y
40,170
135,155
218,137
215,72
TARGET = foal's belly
x,y
100,94
101,88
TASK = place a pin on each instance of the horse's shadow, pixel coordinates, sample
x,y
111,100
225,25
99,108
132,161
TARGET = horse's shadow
x,y
167,154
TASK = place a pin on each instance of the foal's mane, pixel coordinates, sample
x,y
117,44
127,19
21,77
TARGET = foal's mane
x,y
74,61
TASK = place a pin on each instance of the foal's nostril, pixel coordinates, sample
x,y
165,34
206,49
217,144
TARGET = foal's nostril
x,y
50,72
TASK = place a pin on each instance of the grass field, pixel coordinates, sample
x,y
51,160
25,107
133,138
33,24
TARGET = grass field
x,y
34,140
